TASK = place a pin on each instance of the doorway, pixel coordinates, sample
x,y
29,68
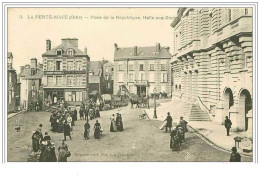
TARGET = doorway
x,y
141,90
228,102
245,105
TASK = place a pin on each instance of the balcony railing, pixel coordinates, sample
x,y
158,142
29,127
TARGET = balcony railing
x,y
141,82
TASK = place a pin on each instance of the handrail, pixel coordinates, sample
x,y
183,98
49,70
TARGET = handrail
x,y
203,104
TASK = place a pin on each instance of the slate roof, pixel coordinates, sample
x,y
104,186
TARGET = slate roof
x,y
142,53
26,74
64,48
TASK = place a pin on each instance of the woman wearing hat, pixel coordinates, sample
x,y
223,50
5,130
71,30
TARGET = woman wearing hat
x,y
36,137
63,149
235,156
97,130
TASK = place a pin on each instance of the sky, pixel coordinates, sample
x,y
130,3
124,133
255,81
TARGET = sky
x,y
96,28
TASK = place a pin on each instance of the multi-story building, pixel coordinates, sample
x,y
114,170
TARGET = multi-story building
x,y
95,77
13,86
142,70
212,62
108,70
65,72
31,85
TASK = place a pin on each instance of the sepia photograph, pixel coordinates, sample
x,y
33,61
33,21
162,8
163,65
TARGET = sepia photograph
x,y
130,84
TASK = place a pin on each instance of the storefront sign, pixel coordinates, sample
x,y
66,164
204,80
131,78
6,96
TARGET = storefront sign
x,y
64,72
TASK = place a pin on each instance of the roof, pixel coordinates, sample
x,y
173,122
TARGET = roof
x,y
95,65
9,55
26,74
64,48
94,79
142,53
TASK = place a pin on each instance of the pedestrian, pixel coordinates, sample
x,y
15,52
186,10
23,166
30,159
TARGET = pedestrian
x,y
120,123
113,124
66,130
46,136
63,152
69,121
48,152
86,113
87,130
228,124
75,115
97,130
235,156
81,113
183,124
36,137
169,123
97,112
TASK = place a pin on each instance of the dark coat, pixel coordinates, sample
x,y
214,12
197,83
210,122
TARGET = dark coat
x,y
228,123
66,129
235,157
169,121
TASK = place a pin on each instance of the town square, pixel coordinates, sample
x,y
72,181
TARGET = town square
x,y
186,97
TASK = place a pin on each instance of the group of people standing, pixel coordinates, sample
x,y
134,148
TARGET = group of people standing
x,y
90,111
44,149
97,130
116,123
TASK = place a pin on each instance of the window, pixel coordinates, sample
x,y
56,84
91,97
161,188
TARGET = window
x,y
106,70
243,61
10,97
10,77
120,67
70,66
227,63
151,77
59,80
106,77
58,65
78,96
151,66
70,80
108,85
120,77
131,77
141,76
50,81
70,52
163,66
59,52
78,81
141,67
229,15
246,11
112,69
164,77
78,65
50,66
12,92
179,87
131,67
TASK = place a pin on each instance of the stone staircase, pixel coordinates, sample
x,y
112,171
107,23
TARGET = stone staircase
x,y
196,114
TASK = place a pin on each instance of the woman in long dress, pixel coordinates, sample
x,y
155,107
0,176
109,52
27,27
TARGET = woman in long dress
x,y
120,123
113,124
63,148
97,129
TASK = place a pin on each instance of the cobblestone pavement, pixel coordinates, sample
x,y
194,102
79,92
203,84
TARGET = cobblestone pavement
x,y
140,141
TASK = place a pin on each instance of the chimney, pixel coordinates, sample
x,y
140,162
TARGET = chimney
x,y
48,45
72,41
33,66
135,50
158,47
116,46
86,50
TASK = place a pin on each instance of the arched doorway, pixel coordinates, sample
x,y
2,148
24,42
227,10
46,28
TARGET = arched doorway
x,y
245,105
228,102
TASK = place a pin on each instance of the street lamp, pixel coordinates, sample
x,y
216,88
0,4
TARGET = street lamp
x,y
154,115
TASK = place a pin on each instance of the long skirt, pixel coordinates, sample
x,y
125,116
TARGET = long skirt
x,y
112,128
35,145
97,133
86,134
62,156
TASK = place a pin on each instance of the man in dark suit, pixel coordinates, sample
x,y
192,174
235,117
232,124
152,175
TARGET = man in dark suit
x,y
235,156
169,123
228,124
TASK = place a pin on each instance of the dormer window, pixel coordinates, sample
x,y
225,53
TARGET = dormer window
x,y
59,52
70,52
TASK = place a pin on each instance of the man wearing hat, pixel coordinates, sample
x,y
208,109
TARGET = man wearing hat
x,y
228,124
169,122
183,124
235,156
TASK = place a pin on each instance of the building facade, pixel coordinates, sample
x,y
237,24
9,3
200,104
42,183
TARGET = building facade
x,y
13,86
65,72
142,70
31,85
212,62
108,70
